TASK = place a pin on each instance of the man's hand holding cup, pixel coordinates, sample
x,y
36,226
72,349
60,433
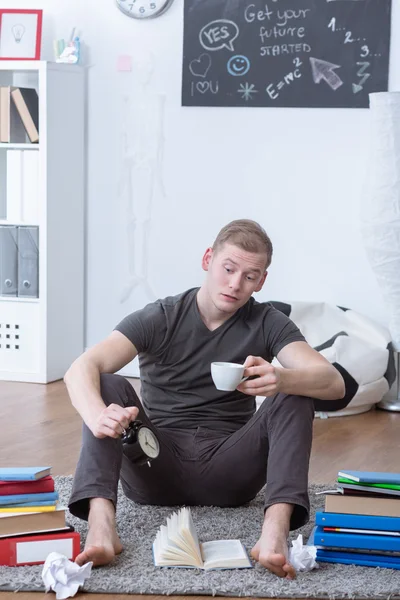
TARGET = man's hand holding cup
x,y
267,378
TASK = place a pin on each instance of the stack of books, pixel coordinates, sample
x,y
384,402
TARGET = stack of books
x,y
32,524
361,521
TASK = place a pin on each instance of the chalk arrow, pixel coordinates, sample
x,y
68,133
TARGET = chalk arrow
x,y
356,88
322,69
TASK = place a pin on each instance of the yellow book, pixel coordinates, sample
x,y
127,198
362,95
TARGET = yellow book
x,y
25,509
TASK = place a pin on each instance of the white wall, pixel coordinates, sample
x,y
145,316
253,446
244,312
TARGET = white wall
x,y
297,171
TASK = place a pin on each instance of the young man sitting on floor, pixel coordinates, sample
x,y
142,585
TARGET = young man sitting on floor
x,y
215,448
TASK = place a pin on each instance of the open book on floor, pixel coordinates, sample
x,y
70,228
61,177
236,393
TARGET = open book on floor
x,y
177,545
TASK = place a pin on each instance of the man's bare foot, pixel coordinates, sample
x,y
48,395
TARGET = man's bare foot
x,y
271,550
102,542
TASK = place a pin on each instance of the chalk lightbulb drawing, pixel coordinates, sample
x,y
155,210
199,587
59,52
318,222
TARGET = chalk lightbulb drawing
x,y
18,31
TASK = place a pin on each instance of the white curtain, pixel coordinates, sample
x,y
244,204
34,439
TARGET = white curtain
x,y
380,203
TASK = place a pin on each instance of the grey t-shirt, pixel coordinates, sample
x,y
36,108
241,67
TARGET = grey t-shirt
x,y
176,350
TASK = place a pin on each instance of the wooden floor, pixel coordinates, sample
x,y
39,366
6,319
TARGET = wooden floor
x,y
38,421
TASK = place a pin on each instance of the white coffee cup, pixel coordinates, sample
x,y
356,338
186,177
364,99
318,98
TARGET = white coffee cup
x,y
227,376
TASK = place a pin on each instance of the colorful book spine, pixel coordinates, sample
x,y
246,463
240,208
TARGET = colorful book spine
x,y
371,476
327,519
37,503
353,558
24,508
356,541
39,486
348,557
23,473
384,486
364,531
357,488
25,498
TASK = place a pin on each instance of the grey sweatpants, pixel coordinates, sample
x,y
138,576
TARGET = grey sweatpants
x,y
203,466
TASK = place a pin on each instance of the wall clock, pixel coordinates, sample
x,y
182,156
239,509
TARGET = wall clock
x,y
143,9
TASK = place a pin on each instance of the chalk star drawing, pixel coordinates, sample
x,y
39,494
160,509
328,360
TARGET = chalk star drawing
x,y
247,89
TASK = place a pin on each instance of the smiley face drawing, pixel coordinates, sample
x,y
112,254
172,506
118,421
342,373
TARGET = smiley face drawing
x,y
238,65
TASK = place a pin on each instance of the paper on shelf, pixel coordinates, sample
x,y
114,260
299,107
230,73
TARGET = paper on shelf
x,y
64,576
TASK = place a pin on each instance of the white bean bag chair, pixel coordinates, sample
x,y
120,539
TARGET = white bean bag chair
x,y
356,345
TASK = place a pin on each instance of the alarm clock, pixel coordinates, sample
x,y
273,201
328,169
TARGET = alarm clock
x,y
143,9
145,441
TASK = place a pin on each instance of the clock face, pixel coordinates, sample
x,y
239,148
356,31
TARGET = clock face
x,y
143,9
148,442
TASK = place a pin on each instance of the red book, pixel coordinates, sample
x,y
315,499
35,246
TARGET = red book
x,y
38,486
34,549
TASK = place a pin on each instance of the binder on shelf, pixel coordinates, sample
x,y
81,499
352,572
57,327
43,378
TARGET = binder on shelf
x,y
4,113
0,115
26,102
22,181
28,261
14,179
30,187
3,185
8,260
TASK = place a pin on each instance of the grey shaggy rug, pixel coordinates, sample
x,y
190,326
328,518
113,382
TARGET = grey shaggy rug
x,y
133,571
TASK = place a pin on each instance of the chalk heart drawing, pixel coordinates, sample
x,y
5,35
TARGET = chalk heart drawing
x,y
203,86
199,67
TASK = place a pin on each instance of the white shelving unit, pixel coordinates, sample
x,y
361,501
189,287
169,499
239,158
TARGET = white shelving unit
x,y
40,337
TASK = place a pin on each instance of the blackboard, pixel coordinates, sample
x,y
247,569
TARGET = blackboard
x,y
292,53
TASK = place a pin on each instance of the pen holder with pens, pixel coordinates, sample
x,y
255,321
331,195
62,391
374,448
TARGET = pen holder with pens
x,y
69,53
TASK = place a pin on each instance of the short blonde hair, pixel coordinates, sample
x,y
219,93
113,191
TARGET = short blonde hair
x,y
247,235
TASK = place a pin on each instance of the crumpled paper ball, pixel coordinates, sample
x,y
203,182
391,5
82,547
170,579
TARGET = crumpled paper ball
x,y
303,558
64,576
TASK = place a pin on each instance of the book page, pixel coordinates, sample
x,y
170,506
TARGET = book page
x,y
221,553
167,553
174,543
189,532
180,535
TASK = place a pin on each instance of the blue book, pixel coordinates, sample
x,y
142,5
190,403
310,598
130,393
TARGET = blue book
x,y
353,521
355,540
28,498
23,473
371,477
354,558
42,503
